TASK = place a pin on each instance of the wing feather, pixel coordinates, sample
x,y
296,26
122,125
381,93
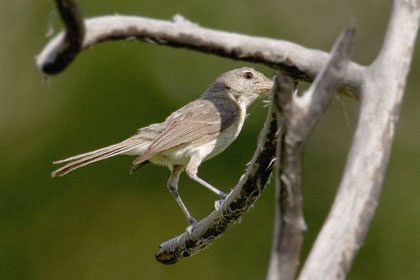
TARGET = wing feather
x,y
193,121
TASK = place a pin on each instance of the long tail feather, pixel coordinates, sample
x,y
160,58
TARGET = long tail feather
x,y
73,158
90,157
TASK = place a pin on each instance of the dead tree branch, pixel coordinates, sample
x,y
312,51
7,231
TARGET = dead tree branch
x,y
246,192
298,117
288,207
71,40
383,88
291,59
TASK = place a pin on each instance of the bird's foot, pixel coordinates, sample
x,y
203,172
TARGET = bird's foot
x,y
193,222
218,203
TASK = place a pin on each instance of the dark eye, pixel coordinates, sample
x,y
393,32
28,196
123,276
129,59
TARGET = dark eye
x,y
248,75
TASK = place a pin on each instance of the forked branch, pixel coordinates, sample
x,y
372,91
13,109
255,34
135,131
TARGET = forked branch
x,y
298,117
382,90
381,85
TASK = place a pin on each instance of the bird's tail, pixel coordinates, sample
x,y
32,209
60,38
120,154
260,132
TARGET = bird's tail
x,y
93,156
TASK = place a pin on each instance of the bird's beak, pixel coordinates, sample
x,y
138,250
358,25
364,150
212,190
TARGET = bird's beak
x,y
266,86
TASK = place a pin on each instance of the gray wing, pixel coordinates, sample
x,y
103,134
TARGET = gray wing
x,y
193,121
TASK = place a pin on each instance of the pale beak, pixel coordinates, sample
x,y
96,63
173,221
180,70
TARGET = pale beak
x,y
266,86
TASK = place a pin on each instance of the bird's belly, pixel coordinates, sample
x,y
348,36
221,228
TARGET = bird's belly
x,y
224,139
179,155
138,150
182,154
221,143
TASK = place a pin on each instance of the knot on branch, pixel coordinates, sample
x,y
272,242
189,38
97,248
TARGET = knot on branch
x,y
180,19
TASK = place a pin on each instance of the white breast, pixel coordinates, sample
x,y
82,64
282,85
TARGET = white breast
x,y
227,136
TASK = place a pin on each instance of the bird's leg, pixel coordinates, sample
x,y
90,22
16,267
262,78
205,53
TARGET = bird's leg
x,y
173,189
192,169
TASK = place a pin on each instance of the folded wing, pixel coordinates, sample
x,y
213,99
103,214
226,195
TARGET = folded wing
x,y
193,121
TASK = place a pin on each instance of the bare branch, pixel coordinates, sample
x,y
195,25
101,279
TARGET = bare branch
x,y
239,200
294,60
298,117
383,88
315,101
288,222
381,84
70,42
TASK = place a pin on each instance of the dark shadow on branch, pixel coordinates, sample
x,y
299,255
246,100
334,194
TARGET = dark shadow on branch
x,y
71,44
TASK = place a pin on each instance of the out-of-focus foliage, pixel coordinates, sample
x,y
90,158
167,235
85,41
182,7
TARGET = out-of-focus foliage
x,y
102,223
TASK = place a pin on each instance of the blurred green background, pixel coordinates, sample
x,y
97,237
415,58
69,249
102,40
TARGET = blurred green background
x,y
102,223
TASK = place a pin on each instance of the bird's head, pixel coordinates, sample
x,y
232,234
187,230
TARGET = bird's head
x,y
244,85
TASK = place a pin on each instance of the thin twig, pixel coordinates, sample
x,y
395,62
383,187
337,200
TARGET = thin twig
x,y
383,88
240,199
320,94
292,59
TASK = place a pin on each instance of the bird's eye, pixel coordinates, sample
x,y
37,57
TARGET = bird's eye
x,y
248,75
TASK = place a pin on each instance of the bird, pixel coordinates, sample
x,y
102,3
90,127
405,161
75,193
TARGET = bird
x,y
192,134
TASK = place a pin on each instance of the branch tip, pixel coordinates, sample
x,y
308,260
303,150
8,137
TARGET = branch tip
x,y
57,58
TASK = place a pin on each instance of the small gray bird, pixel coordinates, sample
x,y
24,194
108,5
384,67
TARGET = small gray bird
x,y
196,132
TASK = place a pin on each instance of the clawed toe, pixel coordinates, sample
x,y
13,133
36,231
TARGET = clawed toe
x,y
193,222
218,204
